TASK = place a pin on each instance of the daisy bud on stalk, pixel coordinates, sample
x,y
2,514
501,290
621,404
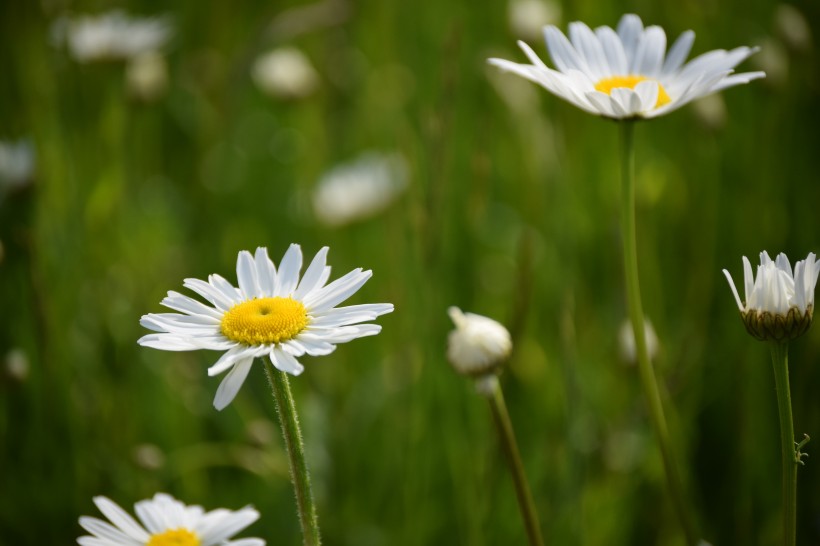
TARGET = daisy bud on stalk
x,y
477,348
778,308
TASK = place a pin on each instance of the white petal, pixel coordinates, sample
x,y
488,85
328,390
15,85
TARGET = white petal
x,y
190,306
106,531
649,53
630,29
151,515
678,53
588,46
748,278
246,542
734,290
265,272
647,91
313,274
289,267
230,385
207,291
285,362
225,527
121,518
231,293
230,357
563,54
614,51
337,291
246,275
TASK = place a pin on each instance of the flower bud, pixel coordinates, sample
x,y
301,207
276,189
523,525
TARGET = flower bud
x,y
478,345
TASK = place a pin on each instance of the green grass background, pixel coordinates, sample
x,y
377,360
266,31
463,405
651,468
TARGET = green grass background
x,y
510,212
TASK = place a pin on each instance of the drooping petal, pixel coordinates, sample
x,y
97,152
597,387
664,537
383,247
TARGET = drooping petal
x,y
227,390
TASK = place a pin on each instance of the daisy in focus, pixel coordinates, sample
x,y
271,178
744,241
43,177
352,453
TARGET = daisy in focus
x,y
627,73
166,521
779,302
272,313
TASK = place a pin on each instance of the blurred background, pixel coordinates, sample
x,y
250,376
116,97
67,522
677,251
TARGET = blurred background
x,y
151,144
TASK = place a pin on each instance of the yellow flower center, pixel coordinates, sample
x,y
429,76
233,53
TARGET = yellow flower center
x,y
608,84
262,321
174,537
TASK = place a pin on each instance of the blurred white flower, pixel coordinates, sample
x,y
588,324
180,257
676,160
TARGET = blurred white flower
x,y
774,60
628,73
779,303
16,164
711,112
359,189
626,341
165,521
147,76
478,345
793,28
285,73
529,17
17,364
111,36
273,313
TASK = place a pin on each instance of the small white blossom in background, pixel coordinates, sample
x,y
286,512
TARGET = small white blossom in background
x,y
112,36
711,112
793,28
529,17
16,164
626,342
285,73
478,345
17,365
779,302
147,76
774,60
164,520
359,189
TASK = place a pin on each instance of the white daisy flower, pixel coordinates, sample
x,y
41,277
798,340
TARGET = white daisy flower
x,y
779,304
16,164
111,36
627,73
167,522
272,313
478,345
285,73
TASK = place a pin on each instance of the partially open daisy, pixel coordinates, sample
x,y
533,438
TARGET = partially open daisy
x,y
273,313
627,73
779,303
167,522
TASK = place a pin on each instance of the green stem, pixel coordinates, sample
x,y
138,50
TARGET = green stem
x,y
492,390
780,363
636,316
299,474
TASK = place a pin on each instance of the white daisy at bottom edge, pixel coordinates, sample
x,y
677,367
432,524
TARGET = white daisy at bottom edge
x,y
165,521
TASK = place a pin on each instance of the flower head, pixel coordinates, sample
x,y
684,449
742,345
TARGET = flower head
x,y
273,313
285,73
111,36
478,345
166,521
359,189
627,72
778,303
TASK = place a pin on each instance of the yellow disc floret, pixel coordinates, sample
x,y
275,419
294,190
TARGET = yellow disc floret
x,y
174,537
263,321
608,84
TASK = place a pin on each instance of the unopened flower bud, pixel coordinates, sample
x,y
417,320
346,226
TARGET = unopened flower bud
x,y
478,345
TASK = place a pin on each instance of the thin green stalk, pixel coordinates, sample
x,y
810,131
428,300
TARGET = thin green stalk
x,y
505,431
780,363
299,474
636,316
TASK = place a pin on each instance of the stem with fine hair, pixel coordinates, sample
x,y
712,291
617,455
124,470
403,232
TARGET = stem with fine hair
x,y
492,390
780,363
299,474
636,316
